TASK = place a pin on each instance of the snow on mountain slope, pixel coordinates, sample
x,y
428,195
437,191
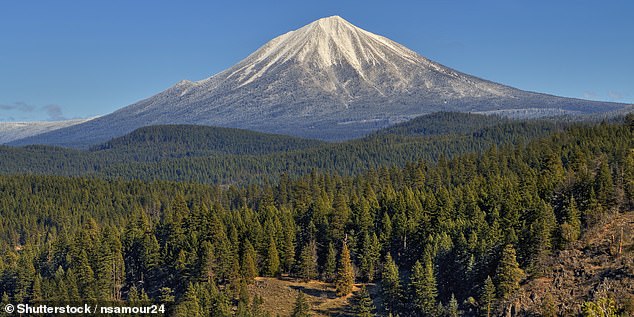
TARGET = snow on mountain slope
x,y
329,80
10,131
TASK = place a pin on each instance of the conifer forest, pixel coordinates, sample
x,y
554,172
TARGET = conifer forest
x,y
445,215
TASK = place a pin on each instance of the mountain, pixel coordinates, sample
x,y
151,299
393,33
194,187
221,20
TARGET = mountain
x,y
328,80
10,131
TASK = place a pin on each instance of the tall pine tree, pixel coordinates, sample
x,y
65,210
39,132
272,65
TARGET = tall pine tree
x,y
308,261
345,273
364,303
509,274
423,290
391,284
272,263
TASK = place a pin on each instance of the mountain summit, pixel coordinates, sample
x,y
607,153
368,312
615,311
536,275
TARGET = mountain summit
x,y
329,80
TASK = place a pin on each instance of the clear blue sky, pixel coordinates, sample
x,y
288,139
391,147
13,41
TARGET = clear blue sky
x,y
71,59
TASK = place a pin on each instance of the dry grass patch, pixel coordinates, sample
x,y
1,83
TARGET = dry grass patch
x,y
279,296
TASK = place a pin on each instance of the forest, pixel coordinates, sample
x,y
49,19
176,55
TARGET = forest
x,y
231,156
441,221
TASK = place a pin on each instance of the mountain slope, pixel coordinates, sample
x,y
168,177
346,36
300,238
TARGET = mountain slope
x,y
328,80
10,131
600,265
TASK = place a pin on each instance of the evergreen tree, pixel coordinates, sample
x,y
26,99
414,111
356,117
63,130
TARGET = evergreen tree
x,y
391,284
256,307
423,287
369,256
345,273
487,295
330,264
72,284
24,276
190,306
629,177
288,247
604,185
452,308
110,270
4,301
249,270
301,308
571,226
508,274
85,277
308,261
365,306
339,218
133,295
206,263
36,292
243,301
272,262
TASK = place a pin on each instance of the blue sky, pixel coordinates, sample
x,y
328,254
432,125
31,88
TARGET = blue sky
x,y
73,59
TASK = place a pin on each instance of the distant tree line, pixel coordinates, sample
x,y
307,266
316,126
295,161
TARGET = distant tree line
x,y
231,156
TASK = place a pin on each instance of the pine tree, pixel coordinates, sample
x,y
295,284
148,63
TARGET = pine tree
x,y
220,304
190,306
545,228
24,275
256,307
243,301
301,308
629,176
423,287
206,263
391,284
150,259
452,308
4,301
369,256
330,265
571,226
508,274
249,270
308,261
487,295
365,306
345,273
110,268
85,277
288,247
272,263
339,217
604,186
386,230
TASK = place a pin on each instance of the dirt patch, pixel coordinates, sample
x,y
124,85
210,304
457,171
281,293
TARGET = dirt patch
x,y
279,296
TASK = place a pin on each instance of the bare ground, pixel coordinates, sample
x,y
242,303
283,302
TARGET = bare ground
x,y
279,296
600,264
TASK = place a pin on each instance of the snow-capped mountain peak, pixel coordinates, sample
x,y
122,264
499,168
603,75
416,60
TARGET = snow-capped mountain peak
x,y
328,79
322,44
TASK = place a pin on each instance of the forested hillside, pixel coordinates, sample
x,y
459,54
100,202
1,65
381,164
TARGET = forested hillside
x,y
438,234
232,156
